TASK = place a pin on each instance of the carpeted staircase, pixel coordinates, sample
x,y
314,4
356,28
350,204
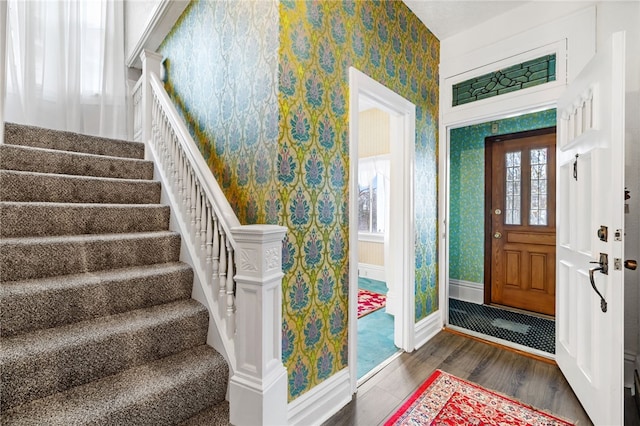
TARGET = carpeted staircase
x,y
96,316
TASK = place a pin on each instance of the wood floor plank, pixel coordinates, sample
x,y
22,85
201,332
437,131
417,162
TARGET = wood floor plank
x,y
526,379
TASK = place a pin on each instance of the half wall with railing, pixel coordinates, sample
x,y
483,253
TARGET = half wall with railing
x,y
237,269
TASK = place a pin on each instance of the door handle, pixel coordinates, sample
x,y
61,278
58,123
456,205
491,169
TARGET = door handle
x,y
497,235
603,267
631,264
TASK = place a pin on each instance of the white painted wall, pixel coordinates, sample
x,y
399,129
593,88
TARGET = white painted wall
x,y
137,15
522,29
3,64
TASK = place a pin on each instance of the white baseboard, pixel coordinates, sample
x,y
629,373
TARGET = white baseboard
x,y
630,359
321,402
428,327
375,272
466,290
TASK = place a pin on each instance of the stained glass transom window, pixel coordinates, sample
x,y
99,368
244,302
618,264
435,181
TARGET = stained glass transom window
x,y
521,76
513,187
538,206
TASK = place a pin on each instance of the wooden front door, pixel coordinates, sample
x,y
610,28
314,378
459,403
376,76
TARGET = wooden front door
x,y
521,235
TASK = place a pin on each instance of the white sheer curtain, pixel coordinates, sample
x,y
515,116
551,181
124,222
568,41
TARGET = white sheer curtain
x,y
65,65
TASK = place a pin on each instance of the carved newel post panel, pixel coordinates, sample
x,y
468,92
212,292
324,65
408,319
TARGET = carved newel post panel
x,y
259,385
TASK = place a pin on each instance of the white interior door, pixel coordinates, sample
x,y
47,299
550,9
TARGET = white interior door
x,y
590,195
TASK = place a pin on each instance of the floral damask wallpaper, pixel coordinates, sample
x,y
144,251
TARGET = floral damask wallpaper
x,y
466,245
264,86
222,64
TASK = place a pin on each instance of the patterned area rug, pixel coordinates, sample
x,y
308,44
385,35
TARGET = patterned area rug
x,y
368,302
447,400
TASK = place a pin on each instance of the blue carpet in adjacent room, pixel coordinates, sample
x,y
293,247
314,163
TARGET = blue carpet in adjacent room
x,y
527,330
375,332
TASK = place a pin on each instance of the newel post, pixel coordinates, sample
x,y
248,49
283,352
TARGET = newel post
x,y
151,63
258,388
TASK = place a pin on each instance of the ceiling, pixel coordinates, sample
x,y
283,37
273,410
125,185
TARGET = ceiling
x,y
446,18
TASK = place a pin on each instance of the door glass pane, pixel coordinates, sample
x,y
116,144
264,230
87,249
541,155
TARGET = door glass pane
x,y
512,186
538,209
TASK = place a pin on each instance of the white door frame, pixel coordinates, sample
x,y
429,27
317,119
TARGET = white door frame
x,y
445,198
401,298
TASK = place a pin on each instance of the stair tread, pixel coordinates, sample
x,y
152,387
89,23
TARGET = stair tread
x,y
56,283
24,346
57,239
76,177
101,401
42,218
18,185
26,135
101,206
78,154
42,303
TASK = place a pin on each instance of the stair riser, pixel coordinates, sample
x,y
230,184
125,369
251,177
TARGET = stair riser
x,y
36,375
36,259
17,186
67,141
53,307
13,157
166,391
38,220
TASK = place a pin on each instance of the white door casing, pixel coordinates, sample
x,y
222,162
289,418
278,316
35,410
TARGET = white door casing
x,y
400,272
590,194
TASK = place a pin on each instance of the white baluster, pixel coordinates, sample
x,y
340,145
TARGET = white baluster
x,y
209,235
198,211
184,173
215,257
192,205
174,161
187,194
231,307
222,292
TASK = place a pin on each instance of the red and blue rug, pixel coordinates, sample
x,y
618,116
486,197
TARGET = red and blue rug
x,y
369,301
447,400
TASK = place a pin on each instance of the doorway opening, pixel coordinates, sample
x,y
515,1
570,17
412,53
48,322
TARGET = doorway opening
x,y
502,231
382,135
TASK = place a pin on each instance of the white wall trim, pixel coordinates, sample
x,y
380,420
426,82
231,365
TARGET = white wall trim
x,y
481,47
161,22
428,327
400,268
630,360
467,291
375,272
321,402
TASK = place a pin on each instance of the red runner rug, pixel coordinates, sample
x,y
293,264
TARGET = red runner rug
x,y
447,400
368,302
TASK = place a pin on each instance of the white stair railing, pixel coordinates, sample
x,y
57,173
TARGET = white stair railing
x,y
238,268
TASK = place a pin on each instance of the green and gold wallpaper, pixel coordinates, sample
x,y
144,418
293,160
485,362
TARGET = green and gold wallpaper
x,y
466,243
264,86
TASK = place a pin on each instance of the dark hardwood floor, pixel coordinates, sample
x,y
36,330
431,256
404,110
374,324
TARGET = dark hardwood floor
x,y
528,380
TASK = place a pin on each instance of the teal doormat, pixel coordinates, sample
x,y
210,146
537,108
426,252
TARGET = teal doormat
x,y
375,333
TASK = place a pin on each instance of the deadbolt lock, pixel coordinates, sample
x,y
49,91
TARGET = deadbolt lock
x,y
603,233
497,211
